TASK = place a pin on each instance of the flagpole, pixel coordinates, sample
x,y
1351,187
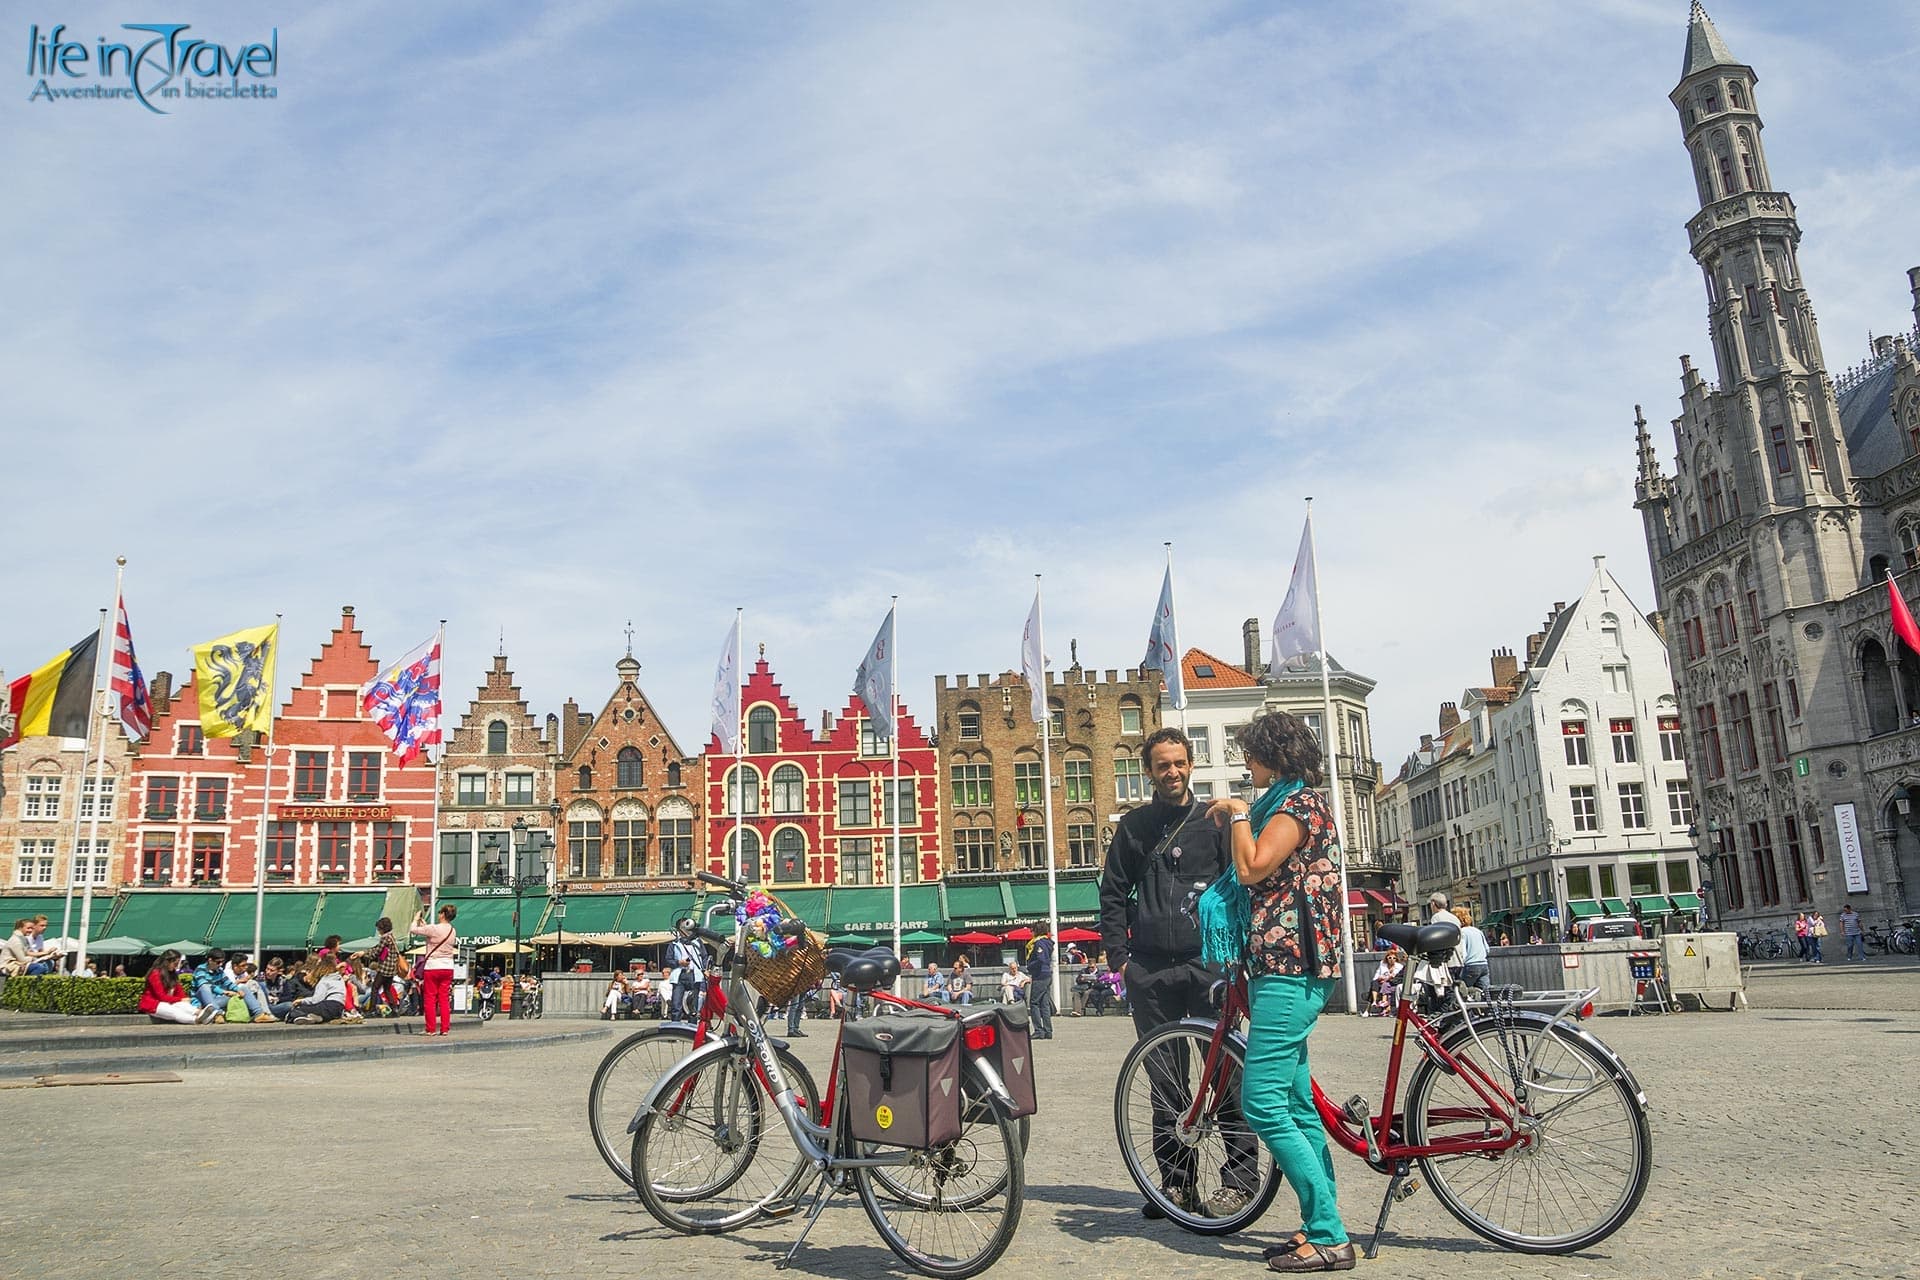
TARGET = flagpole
x,y
893,801
98,705
740,740
266,798
1330,740
1179,655
1046,789
433,851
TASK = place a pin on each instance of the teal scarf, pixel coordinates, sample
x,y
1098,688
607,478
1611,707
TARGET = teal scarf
x,y
1226,910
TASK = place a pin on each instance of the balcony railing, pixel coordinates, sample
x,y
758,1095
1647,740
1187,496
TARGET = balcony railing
x,y
1360,769
162,812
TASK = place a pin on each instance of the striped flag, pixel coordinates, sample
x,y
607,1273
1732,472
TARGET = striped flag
x,y
54,701
404,700
129,685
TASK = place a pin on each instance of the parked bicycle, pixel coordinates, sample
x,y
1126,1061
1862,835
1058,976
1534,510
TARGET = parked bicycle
x,y
1528,1129
1766,944
936,1161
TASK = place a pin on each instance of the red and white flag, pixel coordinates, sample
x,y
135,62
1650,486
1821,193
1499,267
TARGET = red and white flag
x,y
1903,624
129,686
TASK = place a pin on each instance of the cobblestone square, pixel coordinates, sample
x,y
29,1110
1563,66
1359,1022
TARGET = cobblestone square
x,y
1777,1134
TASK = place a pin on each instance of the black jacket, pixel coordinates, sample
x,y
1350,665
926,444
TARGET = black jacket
x,y
1162,858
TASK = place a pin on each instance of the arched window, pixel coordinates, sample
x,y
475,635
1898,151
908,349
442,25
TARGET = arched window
x,y
1693,642
1721,623
1749,168
673,774
497,738
1876,689
1910,544
745,843
630,769
743,790
1703,175
586,778
763,731
1609,632
789,856
789,789
1736,96
1750,597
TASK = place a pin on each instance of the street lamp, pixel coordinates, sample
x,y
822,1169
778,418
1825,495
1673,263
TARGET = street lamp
x,y
520,883
1709,854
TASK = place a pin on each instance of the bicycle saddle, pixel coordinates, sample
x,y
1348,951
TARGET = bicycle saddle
x,y
1434,941
864,970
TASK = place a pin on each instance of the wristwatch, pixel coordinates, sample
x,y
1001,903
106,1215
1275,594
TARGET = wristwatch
x,y
1241,817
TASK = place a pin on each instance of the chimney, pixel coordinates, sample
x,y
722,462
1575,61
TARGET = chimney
x,y
826,724
160,691
553,733
1250,647
1534,644
1426,742
1449,717
1505,669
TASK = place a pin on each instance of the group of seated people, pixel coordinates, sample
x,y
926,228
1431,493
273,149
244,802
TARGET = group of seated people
x,y
328,987
633,995
26,952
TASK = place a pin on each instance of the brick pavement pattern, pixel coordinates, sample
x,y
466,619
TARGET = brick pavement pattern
x,y
1776,1132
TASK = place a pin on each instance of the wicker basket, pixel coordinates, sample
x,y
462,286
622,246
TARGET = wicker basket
x,y
791,971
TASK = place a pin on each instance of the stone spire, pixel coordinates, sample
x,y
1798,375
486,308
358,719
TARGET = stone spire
x,y
1650,481
1705,48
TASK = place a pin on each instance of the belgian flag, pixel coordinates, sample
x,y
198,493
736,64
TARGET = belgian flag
x,y
55,700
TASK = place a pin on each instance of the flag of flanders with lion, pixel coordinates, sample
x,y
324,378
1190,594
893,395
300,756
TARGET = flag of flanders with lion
x,y
234,675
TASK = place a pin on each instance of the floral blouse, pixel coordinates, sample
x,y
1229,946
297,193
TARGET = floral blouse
x,y
1310,878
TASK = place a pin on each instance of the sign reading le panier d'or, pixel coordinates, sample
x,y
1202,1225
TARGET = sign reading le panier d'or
x,y
334,813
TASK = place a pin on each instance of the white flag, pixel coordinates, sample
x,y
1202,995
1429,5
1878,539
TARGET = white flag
x,y
1296,629
726,693
873,681
1033,662
1163,651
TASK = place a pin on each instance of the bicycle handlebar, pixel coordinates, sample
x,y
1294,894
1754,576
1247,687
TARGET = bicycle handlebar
x,y
717,939
721,882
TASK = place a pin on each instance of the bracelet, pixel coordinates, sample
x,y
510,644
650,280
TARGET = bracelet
x,y
1241,817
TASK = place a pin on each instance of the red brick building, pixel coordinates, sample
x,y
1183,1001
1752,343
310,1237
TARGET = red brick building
x,y
813,807
341,812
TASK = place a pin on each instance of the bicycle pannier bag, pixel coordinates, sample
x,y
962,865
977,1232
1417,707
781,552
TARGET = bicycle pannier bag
x,y
903,1080
1011,1054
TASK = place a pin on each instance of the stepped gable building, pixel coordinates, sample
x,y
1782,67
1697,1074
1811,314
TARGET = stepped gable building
x,y
342,812
1794,490
630,798
812,809
48,803
993,811
495,769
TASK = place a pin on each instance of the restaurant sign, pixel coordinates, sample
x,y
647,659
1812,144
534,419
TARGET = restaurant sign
x,y
334,813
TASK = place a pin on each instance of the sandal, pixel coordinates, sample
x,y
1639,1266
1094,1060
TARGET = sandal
x,y
1325,1257
1284,1248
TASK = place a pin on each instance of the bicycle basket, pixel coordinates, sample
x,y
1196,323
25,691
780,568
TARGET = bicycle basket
x,y
789,972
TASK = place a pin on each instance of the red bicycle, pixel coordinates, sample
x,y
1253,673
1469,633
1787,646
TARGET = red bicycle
x,y
1528,1129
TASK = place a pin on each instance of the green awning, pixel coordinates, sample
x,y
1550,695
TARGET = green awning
x,y
1079,900
870,910
809,904
1581,908
977,905
53,906
286,921
485,921
1537,911
587,913
1652,904
1689,902
162,914
922,938
1496,919
351,913
1614,906
653,912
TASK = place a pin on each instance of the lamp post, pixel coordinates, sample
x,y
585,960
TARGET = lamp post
x,y
1709,854
520,883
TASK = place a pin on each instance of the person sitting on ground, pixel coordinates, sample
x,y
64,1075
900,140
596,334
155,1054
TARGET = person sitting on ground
x,y
960,985
936,986
1014,984
251,992
42,952
1383,990
164,999
617,1000
211,986
328,1003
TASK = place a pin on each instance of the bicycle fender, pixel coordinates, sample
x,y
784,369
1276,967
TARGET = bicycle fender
x,y
1586,1038
711,1049
989,1082
1236,1037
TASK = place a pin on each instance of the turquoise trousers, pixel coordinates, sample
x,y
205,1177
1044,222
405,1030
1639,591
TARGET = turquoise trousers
x,y
1276,1093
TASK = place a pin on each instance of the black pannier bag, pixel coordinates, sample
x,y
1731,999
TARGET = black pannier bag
x,y
902,1083
1010,1054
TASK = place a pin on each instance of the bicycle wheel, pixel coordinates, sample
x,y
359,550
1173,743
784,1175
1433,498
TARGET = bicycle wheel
x,y
1591,1151
951,1211
1190,1175
620,1085
715,1151
1902,941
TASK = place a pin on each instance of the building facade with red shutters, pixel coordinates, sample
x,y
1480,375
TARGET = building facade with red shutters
x,y
812,808
340,810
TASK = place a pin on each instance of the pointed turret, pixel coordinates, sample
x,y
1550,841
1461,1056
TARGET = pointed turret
x,y
1705,48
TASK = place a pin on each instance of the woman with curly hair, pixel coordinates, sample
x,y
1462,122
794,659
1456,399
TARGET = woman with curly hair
x,y
1286,851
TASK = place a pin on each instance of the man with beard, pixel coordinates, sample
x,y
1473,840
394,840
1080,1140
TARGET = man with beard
x,y
1162,858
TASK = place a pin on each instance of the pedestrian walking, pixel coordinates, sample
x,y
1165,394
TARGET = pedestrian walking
x,y
436,968
1040,1008
1855,935
1802,937
1286,850
1816,932
1473,954
1162,857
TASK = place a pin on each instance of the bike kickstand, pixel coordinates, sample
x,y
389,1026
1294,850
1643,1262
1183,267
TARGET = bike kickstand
x,y
813,1216
1399,1187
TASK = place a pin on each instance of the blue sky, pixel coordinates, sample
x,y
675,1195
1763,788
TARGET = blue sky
x,y
546,318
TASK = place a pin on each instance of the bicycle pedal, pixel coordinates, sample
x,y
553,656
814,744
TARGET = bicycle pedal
x,y
1406,1189
780,1212
1356,1109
